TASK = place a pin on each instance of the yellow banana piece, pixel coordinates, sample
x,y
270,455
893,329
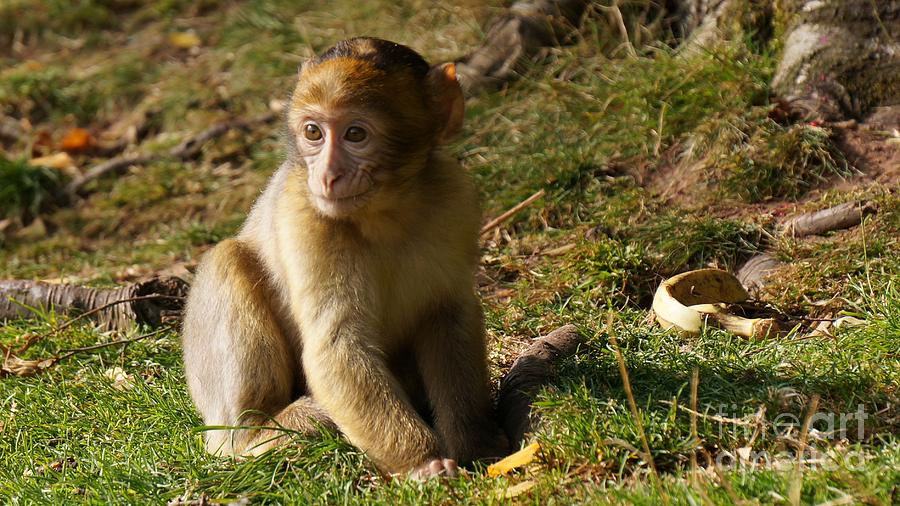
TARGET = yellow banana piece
x,y
690,299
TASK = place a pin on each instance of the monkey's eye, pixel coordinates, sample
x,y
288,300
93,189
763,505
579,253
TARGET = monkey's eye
x,y
312,132
355,134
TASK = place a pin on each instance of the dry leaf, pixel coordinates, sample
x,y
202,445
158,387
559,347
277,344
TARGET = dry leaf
x,y
7,227
121,380
77,140
519,489
24,367
521,458
184,40
57,465
37,229
59,161
43,142
63,463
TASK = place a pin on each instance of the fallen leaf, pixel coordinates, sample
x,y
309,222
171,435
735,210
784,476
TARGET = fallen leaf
x,y
519,489
77,140
184,40
24,367
7,224
61,161
822,329
521,458
37,229
57,465
43,142
121,380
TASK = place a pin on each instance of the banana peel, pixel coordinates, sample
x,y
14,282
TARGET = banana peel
x,y
708,296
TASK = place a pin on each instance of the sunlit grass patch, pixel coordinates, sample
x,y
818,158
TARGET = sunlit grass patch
x,y
592,126
850,267
756,159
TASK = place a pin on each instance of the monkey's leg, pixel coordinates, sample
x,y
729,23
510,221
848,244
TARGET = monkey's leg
x,y
303,415
240,368
351,381
453,362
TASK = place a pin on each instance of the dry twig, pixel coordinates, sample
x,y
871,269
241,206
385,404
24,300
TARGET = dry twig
x,y
512,211
13,365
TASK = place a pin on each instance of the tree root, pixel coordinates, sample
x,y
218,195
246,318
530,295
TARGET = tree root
x,y
531,371
514,38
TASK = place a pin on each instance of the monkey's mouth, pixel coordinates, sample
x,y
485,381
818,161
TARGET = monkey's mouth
x,y
337,207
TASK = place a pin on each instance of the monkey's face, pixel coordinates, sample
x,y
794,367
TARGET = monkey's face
x,y
339,150
360,133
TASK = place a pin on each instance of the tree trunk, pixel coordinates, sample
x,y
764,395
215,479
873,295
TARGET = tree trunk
x,y
841,58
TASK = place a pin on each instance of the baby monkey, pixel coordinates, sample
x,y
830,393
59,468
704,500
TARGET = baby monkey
x,y
347,298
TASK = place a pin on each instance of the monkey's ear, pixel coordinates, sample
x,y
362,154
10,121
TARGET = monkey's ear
x,y
304,65
449,102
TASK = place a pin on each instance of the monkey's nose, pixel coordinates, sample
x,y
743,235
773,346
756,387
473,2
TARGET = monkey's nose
x,y
329,179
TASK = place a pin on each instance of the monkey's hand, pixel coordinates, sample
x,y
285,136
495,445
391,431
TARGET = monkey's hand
x,y
435,468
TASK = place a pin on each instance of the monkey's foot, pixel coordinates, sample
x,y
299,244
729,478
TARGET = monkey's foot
x,y
435,468
263,443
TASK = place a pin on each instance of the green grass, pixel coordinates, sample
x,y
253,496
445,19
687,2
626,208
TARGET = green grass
x,y
25,189
605,135
141,443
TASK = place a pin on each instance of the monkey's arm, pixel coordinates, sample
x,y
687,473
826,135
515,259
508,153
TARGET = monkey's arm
x,y
348,377
453,361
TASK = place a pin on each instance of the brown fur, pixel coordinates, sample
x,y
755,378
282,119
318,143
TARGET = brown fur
x,y
368,322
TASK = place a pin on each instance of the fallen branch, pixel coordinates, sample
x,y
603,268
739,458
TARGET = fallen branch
x,y
189,148
753,273
511,212
149,302
534,369
846,215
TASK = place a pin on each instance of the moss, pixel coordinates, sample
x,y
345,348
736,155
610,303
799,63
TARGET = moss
x,y
756,159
